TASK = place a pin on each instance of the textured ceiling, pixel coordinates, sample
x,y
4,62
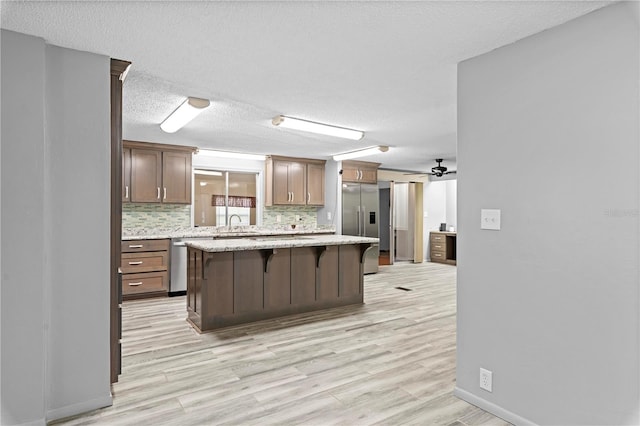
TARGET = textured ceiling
x,y
388,68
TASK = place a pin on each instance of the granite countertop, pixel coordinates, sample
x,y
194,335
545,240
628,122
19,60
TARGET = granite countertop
x,y
258,243
222,232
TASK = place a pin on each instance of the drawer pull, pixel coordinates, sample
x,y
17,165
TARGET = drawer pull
x,y
433,246
136,263
136,246
135,284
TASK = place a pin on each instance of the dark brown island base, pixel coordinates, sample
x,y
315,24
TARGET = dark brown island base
x,y
243,280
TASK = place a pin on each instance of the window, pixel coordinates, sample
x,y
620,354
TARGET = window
x,y
224,198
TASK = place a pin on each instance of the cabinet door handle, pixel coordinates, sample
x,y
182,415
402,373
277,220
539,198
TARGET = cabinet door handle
x,y
136,246
158,193
135,284
136,263
308,197
126,191
165,194
293,195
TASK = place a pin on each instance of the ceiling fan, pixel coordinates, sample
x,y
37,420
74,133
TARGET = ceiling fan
x,y
437,171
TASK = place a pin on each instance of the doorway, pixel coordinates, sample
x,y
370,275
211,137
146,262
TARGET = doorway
x,y
387,255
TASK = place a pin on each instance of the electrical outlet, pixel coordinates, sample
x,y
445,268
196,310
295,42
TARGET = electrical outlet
x,y
486,380
328,215
278,218
297,217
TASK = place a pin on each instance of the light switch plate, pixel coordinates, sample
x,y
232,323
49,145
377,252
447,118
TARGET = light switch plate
x,y
490,219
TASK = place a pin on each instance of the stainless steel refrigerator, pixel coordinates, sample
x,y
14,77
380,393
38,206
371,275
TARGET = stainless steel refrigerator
x,y
360,217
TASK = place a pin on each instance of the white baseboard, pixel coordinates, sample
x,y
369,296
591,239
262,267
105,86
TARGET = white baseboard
x,y
39,422
79,408
492,408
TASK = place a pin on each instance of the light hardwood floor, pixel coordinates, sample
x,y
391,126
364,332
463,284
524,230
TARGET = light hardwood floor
x,y
390,361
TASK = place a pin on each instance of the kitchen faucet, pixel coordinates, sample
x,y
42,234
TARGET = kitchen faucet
x,y
236,215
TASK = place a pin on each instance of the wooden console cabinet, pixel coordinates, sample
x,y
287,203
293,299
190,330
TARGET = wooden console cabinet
x,y
145,266
443,247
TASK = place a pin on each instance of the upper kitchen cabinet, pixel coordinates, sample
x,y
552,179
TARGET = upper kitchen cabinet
x,y
315,184
126,175
157,173
176,177
360,171
294,181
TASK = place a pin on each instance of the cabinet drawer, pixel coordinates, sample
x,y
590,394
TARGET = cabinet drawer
x,y
438,246
438,238
144,283
438,256
134,246
144,262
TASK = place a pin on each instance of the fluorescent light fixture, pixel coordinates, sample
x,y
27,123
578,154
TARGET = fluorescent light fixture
x,y
361,153
186,112
313,127
207,172
228,154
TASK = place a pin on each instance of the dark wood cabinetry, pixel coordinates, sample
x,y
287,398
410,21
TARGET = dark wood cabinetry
x,y
126,175
294,181
145,266
360,171
176,177
288,182
315,184
156,173
443,247
227,288
146,176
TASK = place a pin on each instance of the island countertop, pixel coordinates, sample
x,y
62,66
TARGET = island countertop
x,y
270,242
221,232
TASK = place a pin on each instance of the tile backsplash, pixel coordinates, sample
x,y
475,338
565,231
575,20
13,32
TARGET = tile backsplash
x,y
308,215
142,215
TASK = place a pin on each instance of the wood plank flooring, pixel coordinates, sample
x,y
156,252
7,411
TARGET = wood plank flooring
x,y
390,361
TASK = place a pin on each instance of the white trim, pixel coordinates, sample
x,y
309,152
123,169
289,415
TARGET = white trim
x,y
492,408
79,408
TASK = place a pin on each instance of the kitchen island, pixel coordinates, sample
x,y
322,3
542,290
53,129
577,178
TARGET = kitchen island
x,y
236,281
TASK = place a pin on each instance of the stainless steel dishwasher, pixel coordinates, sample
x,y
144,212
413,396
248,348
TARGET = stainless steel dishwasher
x,y
178,285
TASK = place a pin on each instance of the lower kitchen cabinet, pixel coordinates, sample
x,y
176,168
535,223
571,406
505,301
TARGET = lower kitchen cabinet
x,y
145,268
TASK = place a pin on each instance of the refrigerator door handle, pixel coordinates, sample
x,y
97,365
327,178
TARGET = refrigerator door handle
x,y
364,224
358,220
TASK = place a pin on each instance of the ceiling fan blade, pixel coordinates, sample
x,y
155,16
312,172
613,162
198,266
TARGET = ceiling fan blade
x,y
451,172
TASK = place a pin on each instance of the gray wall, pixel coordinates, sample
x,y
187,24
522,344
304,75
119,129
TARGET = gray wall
x,y
22,229
332,196
550,303
77,211
54,231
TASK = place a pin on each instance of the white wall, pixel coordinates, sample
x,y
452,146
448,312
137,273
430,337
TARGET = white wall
x,y
440,206
550,303
451,218
55,231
